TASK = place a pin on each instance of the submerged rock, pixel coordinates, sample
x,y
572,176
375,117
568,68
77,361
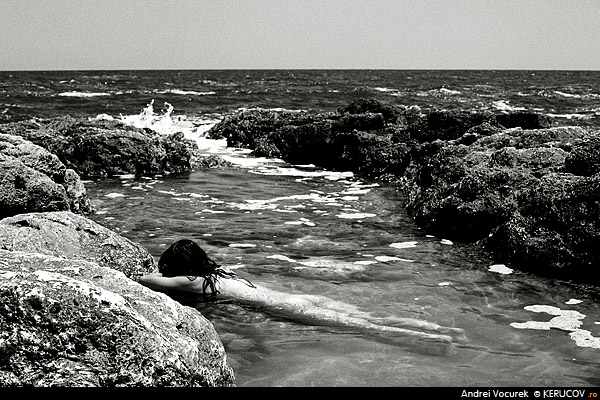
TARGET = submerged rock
x,y
73,314
33,179
102,148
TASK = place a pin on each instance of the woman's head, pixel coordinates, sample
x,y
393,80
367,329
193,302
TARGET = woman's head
x,y
185,258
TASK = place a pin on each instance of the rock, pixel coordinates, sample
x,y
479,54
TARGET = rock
x,y
213,161
69,322
33,179
584,158
64,234
556,230
103,148
510,191
24,189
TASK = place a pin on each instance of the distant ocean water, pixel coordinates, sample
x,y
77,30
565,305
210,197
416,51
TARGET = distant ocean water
x,y
573,97
299,229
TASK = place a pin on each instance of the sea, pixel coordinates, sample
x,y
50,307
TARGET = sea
x,y
303,230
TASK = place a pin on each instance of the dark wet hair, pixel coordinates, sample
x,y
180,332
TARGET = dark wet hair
x,y
186,258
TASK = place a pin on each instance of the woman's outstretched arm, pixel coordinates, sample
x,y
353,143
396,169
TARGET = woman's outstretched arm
x,y
156,281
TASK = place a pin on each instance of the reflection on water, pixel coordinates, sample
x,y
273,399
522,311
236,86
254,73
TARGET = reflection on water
x,y
349,240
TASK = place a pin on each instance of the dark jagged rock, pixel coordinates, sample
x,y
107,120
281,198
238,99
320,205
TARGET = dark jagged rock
x,y
584,157
73,315
556,229
104,148
510,191
33,179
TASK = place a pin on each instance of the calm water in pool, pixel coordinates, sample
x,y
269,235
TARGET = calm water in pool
x,y
304,230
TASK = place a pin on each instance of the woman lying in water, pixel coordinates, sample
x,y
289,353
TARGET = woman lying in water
x,y
185,267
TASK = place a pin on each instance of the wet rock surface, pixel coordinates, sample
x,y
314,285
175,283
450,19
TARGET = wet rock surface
x,y
103,148
33,179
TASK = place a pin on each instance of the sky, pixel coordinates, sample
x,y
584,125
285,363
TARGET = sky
x,y
299,34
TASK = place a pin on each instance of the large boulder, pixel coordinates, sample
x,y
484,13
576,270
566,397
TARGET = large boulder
x,y
64,234
32,179
68,322
73,314
512,191
102,148
556,229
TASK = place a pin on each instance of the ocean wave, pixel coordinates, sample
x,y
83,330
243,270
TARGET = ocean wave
x,y
165,124
503,105
274,109
385,90
183,92
438,92
83,94
569,95
570,116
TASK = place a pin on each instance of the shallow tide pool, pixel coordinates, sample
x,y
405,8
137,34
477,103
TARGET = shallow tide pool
x,y
298,229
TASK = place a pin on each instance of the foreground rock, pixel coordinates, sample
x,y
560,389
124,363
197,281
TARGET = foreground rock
x,y
33,179
103,148
526,190
64,234
73,315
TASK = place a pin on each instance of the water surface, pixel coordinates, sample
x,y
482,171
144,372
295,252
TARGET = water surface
x,y
302,230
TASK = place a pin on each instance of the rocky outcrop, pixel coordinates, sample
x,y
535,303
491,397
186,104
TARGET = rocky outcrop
x,y
73,315
512,182
511,192
103,148
64,234
33,179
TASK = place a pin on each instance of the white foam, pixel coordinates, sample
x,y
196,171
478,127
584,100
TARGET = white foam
x,y
403,245
114,195
504,106
385,90
184,92
570,116
242,245
567,320
83,94
446,241
585,338
569,95
573,301
282,258
302,221
449,91
500,269
291,171
356,215
388,259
